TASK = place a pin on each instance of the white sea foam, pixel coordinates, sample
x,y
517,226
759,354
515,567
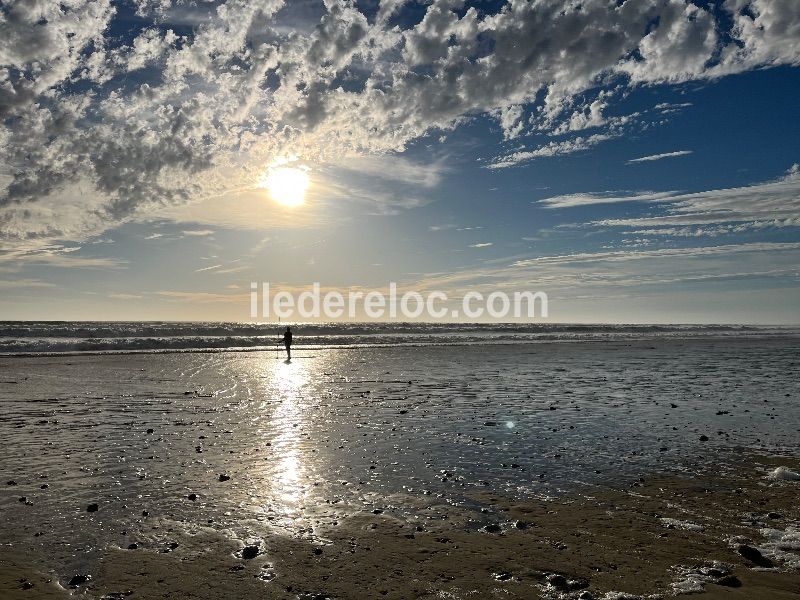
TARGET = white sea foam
x,y
783,474
676,524
692,580
782,546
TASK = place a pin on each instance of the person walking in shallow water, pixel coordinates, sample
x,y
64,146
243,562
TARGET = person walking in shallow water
x,y
287,341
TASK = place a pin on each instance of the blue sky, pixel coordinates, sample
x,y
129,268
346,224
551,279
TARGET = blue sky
x,y
637,161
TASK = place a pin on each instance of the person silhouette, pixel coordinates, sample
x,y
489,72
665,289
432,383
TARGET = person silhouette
x,y
287,341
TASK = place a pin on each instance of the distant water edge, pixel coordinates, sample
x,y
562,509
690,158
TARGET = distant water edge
x,y
28,337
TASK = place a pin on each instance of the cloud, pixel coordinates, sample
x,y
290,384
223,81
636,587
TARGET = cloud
x,y
108,119
52,255
203,297
713,212
653,157
211,268
774,204
197,232
23,283
482,245
122,296
610,270
551,149
628,255
573,200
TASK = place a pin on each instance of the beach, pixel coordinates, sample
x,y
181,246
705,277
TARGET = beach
x,y
612,468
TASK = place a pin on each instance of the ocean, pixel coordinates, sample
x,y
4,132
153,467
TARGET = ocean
x,y
54,336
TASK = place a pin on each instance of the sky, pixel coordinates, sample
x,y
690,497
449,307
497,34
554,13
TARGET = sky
x,y
637,160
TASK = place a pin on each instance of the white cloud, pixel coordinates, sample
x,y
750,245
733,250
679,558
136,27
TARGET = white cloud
x,y
775,203
211,268
51,255
99,129
197,232
482,245
203,297
654,157
551,149
572,200
23,283
713,212
611,270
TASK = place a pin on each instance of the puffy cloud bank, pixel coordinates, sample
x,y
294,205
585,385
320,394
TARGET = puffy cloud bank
x,y
108,114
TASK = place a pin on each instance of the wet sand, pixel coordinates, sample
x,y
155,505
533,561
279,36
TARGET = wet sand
x,y
655,538
403,472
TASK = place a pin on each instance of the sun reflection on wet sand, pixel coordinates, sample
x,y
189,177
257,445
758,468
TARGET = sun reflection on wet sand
x,y
289,418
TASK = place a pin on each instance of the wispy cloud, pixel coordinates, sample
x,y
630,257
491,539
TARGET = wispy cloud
x,y
55,255
634,267
204,297
482,245
24,283
774,203
551,149
211,268
733,210
654,157
573,200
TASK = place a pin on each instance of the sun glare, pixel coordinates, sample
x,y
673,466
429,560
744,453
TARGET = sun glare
x,y
287,185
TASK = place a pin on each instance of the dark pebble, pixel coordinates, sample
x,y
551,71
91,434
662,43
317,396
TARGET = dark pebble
x,y
703,438
224,477
133,546
192,497
578,584
754,556
92,508
557,581
730,581
493,528
250,552
11,482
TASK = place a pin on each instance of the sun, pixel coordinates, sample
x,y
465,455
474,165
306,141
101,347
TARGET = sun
x,y
286,185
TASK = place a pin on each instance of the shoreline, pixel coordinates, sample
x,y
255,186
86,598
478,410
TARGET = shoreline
x,y
702,337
